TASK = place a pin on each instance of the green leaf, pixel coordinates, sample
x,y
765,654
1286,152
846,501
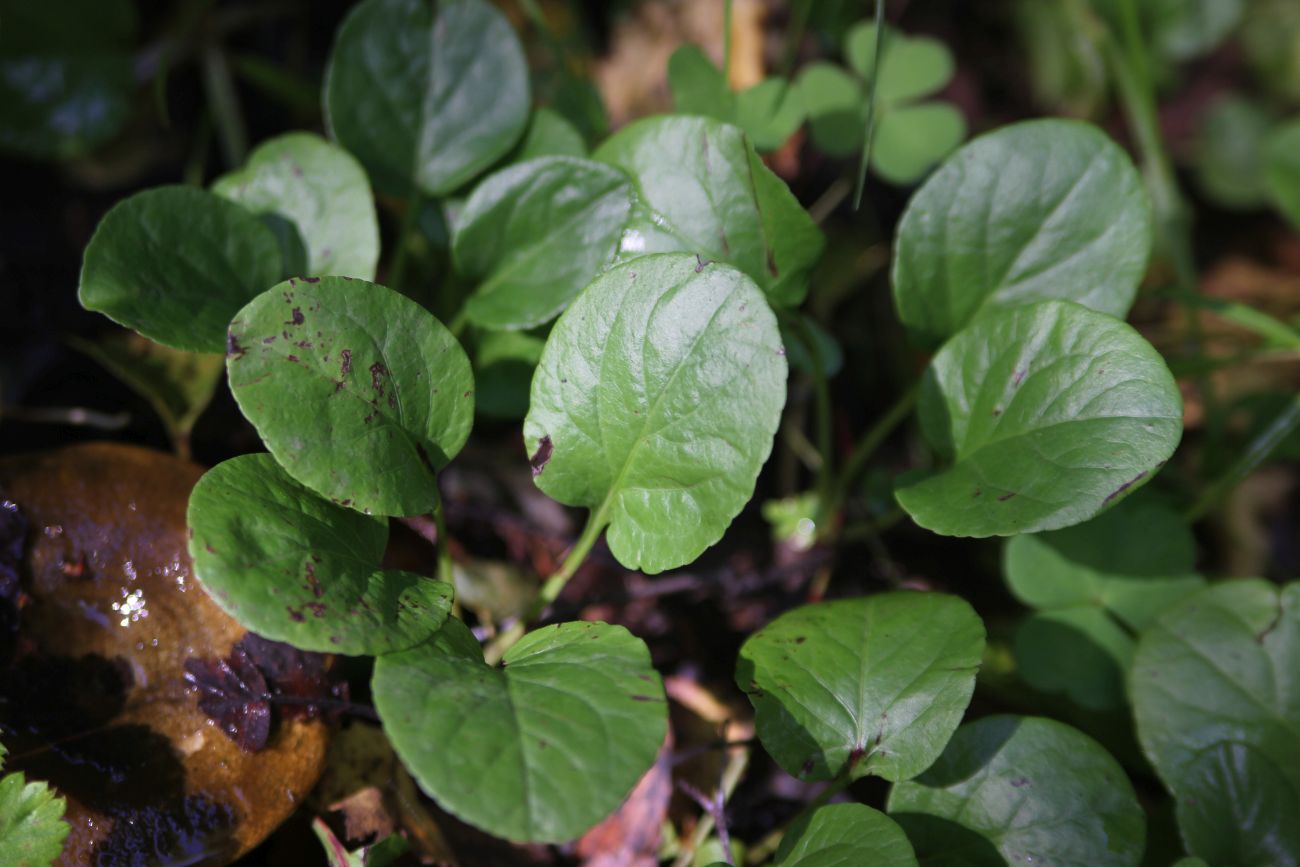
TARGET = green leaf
x,y
799,355
379,854
1282,169
426,103
1036,210
1048,413
911,67
539,749
535,233
1229,144
549,135
1213,704
176,263
845,835
698,86
874,685
769,112
1183,29
322,191
32,829
836,108
503,372
1081,652
705,191
1021,790
296,568
357,391
1133,561
911,140
179,385
66,77
655,404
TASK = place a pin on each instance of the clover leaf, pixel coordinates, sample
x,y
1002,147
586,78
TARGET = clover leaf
x,y
655,404
842,834
769,112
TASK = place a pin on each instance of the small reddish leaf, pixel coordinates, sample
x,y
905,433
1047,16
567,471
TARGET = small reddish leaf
x,y
299,681
233,693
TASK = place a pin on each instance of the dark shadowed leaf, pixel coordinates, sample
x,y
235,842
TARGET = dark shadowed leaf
x,y
845,835
548,135
233,693
1282,169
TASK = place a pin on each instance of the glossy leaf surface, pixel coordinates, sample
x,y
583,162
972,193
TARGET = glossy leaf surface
x,y
539,749
1218,715
874,685
1047,414
703,190
358,392
535,234
296,568
176,263
845,835
426,103
655,404
1036,210
322,192
1021,790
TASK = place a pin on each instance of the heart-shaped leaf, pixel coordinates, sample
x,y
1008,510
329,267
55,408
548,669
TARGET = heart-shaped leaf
x,y
1021,790
705,191
655,403
321,191
1040,209
1282,169
540,749
836,107
769,112
176,263
911,67
296,568
65,75
1212,698
1048,413
911,139
535,233
874,685
845,835
426,103
357,391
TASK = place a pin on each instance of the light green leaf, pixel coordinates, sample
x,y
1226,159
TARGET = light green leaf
x,y
698,86
66,77
1079,651
910,140
549,135
357,391
1046,413
1134,561
1040,209
1213,701
705,191
296,568
911,67
176,263
503,372
426,103
845,835
539,749
1183,29
836,108
655,404
1021,790
1229,145
769,112
874,685
319,189
1282,169
535,233
32,829
179,385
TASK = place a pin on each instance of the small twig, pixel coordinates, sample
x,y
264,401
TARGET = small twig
x,y
717,809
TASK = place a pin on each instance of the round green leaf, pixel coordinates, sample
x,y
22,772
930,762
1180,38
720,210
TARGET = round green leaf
x,y
1133,561
836,108
845,835
655,404
911,139
1214,674
1048,413
320,189
66,76
704,190
1282,169
1040,209
426,103
539,749
176,263
357,391
549,135
1081,652
910,68
535,233
1021,790
769,112
296,568
1228,147
874,685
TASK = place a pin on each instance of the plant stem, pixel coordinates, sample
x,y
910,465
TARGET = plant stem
x,y
737,762
822,395
871,106
224,100
410,223
550,591
726,42
1258,451
865,448
794,35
